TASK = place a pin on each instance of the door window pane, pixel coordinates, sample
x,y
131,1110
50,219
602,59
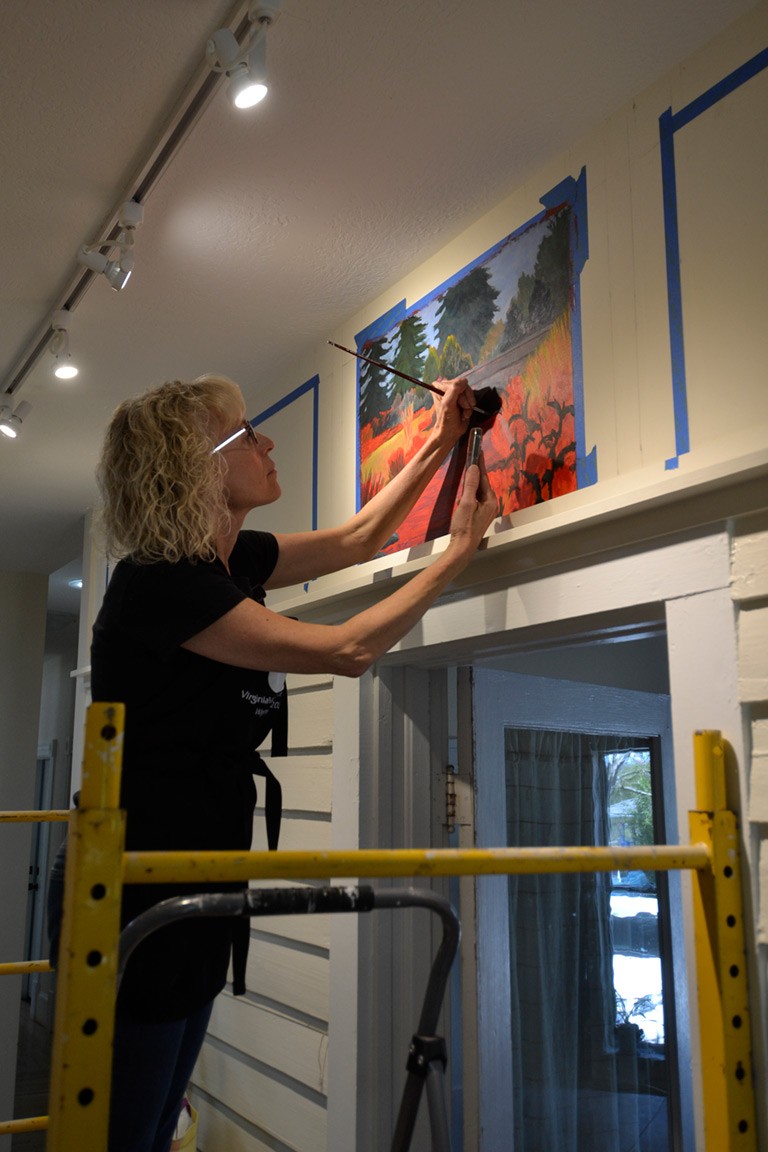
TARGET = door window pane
x,y
589,1065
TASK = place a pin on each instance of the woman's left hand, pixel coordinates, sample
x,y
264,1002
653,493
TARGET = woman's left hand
x,y
453,410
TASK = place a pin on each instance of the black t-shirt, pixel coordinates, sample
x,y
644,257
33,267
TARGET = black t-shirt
x,y
192,727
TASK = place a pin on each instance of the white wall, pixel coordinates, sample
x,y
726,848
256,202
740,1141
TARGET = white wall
x,y
22,630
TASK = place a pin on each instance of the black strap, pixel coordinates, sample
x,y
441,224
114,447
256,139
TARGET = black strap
x,y
280,727
241,936
273,814
273,803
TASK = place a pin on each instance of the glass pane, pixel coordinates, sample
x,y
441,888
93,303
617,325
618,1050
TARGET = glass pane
x,y
590,1068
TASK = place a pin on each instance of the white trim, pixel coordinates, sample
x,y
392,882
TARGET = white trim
x,y
703,670
643,506
344,929
492,619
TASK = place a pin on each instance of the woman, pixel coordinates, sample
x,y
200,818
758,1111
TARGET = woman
x,y
184,641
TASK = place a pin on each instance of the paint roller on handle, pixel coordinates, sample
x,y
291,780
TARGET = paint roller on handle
x,y
491,401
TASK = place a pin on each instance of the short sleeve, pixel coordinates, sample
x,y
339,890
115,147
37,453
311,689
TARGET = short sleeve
x,y
255,554
163,605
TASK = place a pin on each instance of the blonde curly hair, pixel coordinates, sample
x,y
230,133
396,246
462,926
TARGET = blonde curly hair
x,y
161,483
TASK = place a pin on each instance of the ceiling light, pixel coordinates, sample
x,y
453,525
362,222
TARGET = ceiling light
x,y
65,369
11,421
117,271
245,64
248,82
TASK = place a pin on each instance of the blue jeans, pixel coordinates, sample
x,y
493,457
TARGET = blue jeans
x,y
152,1064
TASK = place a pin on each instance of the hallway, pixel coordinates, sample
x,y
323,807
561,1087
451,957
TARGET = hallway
x,y
32,1076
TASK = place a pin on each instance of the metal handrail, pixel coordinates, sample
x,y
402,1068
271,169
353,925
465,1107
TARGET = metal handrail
x,y
427,1049
35,816
212,867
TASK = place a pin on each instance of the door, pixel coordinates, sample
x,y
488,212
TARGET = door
x,y
38,874
578,980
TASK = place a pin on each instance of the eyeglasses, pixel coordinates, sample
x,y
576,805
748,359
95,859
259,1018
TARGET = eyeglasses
x,y
245,429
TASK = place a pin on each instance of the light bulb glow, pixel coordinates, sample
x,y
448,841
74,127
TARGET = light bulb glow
x,y
248,80
249,96
65,370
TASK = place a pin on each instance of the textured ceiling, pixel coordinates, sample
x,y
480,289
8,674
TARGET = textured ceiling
x,y
388,128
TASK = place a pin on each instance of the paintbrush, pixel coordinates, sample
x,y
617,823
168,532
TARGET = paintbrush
x,y
402,375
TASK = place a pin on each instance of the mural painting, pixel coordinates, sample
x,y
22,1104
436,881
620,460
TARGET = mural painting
x,y
507,322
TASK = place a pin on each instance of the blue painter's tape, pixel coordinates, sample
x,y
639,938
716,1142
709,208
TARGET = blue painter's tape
x,y
674,289
574,192
562,193
311,385
586,468
670,123
581,240
586,464
382,324
289,398
723,88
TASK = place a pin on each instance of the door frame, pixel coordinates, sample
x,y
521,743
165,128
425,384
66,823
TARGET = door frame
x,y
682,579
493,700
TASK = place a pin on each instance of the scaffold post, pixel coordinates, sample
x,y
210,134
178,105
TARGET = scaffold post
x,y
721,962
81,1064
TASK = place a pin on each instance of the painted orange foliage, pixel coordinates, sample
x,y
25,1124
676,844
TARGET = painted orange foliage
x,y
530,449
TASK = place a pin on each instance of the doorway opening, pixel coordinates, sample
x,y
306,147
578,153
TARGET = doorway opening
x,y
579,984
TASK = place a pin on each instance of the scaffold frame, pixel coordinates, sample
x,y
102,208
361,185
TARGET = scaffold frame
x,y
97,867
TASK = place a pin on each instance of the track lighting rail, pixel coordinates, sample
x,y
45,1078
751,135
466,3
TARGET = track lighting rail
x,y
190,105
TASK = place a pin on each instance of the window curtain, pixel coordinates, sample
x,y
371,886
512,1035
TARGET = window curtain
x,y
565,1055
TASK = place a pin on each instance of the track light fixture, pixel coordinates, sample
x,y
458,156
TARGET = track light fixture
x,y
65,368
12,420
245,64
117,271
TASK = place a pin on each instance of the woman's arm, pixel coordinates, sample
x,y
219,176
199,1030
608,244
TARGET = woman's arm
x,y
250,636
306,555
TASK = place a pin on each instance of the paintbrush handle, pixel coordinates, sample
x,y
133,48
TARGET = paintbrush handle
x,y
388,368
396,372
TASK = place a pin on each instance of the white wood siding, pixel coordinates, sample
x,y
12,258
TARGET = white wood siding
x,y
262,1075
267,1103
749,589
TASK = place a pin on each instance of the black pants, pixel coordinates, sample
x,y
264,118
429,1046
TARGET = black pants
x,y
152,1064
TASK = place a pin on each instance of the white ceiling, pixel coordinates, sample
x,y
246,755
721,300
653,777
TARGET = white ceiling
x,y
388,128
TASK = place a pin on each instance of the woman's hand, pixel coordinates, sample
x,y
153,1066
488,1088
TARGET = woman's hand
x,y
306,555
475,511
453,410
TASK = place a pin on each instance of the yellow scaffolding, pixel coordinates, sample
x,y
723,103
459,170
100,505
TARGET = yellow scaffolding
x,y
97,867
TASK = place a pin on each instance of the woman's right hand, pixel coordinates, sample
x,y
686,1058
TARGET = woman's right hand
x,y
476,510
